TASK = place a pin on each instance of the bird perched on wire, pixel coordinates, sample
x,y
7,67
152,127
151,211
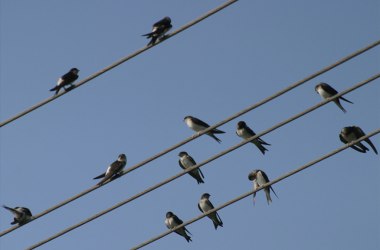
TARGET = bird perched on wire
x,y
205,205
246,132
159,29
197,125
173,221
326,91
259,178
352,133
186,161
66,79
114,170
21,215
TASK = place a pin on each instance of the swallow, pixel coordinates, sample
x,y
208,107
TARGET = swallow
x,y
21,215
205,205
114,170
326,91
173,221
198,125
259,178
66,79
186,161
352,133
246,132
159,29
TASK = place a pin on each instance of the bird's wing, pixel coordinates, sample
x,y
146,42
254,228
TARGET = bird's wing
x,y
264,176
200,122
192,160
209,204
177,220
26,211
163,22
99,176
330,89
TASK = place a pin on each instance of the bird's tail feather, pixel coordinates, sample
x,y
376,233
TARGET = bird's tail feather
x,y
340,106
371,144
148,35
55,88
273,191
344,99
267,194
99,176
188,238
359,149
152,41
262,149
216,138
217,131
8,208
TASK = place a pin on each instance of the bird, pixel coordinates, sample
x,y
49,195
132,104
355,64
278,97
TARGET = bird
x,y
173,221
205,205
326,91
21,215
159,29
352,133
198,125
113,171
186,161
259,178
66,79
246,132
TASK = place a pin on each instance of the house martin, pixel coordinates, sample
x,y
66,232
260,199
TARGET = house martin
x,y
21,215
66,79
173,221
114,170
259,178
198,125
159,29
326,91
352,133
186,161
205,205
246,132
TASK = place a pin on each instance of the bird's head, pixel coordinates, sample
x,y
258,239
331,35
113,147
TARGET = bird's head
x,y
205,196
74,70
252,175
187,118
181,154
241,124
346,130
122,157
169,214
167,19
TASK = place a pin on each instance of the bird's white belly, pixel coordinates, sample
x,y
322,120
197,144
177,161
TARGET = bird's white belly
x,y
194,126
242,133
323,93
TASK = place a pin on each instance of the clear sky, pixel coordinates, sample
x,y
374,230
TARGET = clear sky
x,y
224,64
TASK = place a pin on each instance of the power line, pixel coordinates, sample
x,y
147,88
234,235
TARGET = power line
x,y
204,162
196,135
186,26
295,171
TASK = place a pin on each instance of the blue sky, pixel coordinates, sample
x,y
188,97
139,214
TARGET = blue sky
x,y
224,64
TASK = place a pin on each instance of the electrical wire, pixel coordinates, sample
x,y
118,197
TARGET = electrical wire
x,y
124,59
196,135
230,202
205,162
